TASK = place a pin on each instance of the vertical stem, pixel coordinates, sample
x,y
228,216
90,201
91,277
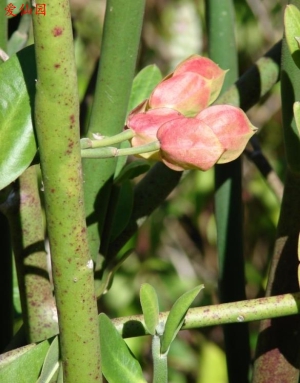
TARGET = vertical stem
x,y
228,202
57,127
121,36
27,231
160,362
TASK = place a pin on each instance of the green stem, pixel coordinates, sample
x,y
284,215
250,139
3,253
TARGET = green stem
x,y
58,139
87,143
121,36
115,152
160,362
235,312
228,199
19,38
25,216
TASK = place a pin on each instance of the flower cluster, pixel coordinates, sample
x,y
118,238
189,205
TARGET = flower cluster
x,y
191,133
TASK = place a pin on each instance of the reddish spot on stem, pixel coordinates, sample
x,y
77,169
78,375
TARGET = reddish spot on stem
x,y
72,118
57,31
52,190
56,66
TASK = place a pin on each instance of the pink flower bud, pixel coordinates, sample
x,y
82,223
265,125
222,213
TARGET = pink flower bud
x,y
187,92
231,126
145,125
188,143
207,69
194,84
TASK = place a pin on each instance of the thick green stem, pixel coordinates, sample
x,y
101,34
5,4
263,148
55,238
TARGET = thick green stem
x,y
228,198
57,127
235,312
23,210
121,36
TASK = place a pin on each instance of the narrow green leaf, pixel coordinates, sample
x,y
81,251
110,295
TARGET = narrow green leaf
x,y
292,31
51,362
23,365
176,317
17,141
143,84
118,364
149,303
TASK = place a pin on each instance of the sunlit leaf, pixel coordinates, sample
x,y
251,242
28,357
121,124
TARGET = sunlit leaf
x,y
149,303
118,364
292,31
51,362
23,365
17,141
143,84
176,317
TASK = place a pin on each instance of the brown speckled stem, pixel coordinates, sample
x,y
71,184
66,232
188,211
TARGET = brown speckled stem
x,y
23,210
57,127
235,312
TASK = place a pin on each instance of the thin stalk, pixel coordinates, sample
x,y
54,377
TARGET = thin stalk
x,y
228,198
120,42
59,145
224,313
110,152
23,210
87,143
246,92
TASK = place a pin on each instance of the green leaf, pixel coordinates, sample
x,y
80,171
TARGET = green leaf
x,y
143,84
149,303
17,141
176,317
118,364
24,364
292,31
51,363
123,209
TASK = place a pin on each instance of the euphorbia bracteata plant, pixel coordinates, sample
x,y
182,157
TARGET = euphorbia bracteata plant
x,y
191,134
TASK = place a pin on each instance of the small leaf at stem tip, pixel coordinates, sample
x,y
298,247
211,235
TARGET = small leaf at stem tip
x,y
176,317
150,308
